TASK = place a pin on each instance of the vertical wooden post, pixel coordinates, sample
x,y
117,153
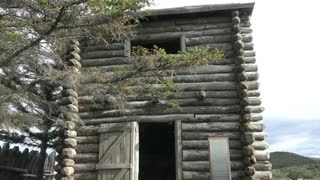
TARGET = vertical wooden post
x,y
183,43
178,149
127,48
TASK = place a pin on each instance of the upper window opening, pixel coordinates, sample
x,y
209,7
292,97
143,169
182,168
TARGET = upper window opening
x,y
171,46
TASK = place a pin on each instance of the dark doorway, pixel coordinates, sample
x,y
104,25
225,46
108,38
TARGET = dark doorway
x,y
157,151
171,46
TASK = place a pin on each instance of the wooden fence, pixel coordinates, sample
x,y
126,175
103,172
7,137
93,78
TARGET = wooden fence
x,y
17,165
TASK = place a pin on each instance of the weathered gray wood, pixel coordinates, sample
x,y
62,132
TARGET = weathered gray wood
x,y
102,46
87,139
84,167
244,30
102,54
183,46
166,35
86,158
211,126
248,76
192,175
202,20
210,69
178,150
247,38
252,127
253,109
248,46
250,93
264,175
86,176
87,131
220,46
205,135
168,103
160,110
219,27
127,48
260,136
204,144
249,85
251,117
249,53
204,78
251,101
105,61
263,166
203,155
262,155
87,148
204,166
208,40
250,60
260,145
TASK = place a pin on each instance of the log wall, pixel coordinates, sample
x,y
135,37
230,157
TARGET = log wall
x,y
230,107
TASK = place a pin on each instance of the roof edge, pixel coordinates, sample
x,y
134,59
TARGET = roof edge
x,y
196,9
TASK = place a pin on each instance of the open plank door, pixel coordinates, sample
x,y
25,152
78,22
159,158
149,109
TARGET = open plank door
x,y
118,151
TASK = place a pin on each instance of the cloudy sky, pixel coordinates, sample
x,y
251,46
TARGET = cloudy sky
x,y
287,44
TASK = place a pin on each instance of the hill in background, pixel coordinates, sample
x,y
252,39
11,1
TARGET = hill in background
x,y
286,165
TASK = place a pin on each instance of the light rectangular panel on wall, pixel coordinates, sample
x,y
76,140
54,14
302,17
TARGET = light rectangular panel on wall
x,y
219,158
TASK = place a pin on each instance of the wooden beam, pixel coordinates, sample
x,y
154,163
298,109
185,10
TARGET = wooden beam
x,y
178,150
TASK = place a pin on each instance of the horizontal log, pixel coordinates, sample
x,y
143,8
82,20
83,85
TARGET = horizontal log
x,y
262,155
175,95
168,103
175,28
252,127
263,166
249,53
160,110
166,35
85,167
203,155
251,101
248,68
212,46
210,69
192,175
260,145
250,60
206,135
86,158
245,30
248,76
249,85
247,138
248,46
250,93
253,109
87,139
87,148
247,38
264,175
203,20
204,144
142,118
87,131
215,118
86,176
204,166
102,54
208,40
259,136
251,117
245,24
210,127
207,86
204,78
105,61
101,46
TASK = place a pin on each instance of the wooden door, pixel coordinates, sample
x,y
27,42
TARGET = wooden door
x,y
118,151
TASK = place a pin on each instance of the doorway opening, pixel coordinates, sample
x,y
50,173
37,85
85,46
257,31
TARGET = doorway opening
x,y
157,151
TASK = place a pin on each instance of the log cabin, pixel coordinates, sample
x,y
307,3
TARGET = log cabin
x,y
220,105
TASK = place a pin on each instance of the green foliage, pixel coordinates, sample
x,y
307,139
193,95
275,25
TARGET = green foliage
x,y
286,159
293,166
